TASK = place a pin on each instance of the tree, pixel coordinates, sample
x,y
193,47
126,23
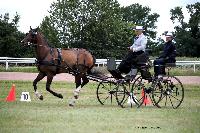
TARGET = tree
x,y
138,15
97,25
49,30
10,37
91,24
187,35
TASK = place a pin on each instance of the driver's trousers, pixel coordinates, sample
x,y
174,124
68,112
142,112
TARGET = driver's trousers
x,y
129,61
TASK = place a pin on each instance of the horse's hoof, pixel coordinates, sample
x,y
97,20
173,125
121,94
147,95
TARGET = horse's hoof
x,y
60,96
76,96
41,97
71,105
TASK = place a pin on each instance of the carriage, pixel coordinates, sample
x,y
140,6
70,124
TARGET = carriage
x,y
130,90
166,91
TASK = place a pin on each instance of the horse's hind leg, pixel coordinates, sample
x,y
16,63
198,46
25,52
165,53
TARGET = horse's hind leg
x,y
79,86
38,78
77,90
85,80
48,84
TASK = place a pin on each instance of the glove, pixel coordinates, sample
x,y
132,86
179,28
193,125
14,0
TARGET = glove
x,y
133,49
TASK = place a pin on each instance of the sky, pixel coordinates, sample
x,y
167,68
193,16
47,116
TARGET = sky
x,y
32,12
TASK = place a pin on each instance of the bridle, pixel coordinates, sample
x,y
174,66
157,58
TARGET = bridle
x,y
33,38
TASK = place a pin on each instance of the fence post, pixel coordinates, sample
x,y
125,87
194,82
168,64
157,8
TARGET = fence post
x,y
194,67
6,64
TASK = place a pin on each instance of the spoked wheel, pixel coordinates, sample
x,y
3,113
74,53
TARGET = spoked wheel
x,y
106,93
122,95
132,97
141,92
168,91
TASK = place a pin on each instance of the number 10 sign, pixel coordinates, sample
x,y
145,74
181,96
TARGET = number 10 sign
x,y
25,97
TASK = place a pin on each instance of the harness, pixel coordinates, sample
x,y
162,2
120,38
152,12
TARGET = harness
x,y
59,60
59,56
52,62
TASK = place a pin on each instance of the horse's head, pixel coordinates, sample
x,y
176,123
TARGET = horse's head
x,y
31,37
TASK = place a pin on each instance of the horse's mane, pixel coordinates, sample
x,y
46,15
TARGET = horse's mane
x,y
45,39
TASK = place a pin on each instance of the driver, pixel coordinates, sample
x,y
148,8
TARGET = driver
x,y
135,50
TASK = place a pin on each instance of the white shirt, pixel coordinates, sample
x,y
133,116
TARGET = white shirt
x,y
139,44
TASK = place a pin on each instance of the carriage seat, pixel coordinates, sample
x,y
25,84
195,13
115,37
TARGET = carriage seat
x,y
111,67
111,64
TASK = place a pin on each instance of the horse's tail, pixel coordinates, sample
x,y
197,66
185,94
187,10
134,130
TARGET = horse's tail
x,y
96,71
90,69
94,60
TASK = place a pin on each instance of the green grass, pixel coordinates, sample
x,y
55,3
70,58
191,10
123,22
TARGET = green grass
x,y
88,116
174,71
182,72
29,69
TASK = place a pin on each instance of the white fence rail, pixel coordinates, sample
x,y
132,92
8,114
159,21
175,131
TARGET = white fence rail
x,y
99,62
9,60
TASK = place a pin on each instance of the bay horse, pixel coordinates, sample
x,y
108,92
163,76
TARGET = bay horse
x,y
52,61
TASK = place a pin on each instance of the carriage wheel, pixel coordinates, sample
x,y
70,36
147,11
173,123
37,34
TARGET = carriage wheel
x,y
168,91
138,91
106,93
133,93
121,95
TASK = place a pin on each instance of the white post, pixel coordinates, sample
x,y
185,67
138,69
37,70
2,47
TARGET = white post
x,y
6,64
194,67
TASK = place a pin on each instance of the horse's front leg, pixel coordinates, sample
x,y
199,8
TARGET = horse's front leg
x,y
39,77
48,84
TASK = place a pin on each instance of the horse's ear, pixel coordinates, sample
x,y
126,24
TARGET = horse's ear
x,y
37,29
30,28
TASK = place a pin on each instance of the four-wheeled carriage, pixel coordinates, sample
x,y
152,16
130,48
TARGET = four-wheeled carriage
x,y
132,90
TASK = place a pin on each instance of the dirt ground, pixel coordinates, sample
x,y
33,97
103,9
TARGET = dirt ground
x,y
69,78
